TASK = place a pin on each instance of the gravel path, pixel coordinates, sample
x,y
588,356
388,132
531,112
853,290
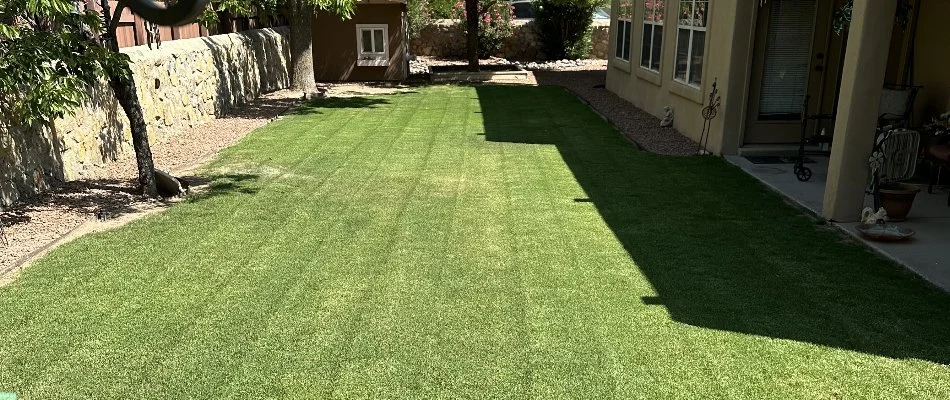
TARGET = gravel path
x,y
30,227
637,125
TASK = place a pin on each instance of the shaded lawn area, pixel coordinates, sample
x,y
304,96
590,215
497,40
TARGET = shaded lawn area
x,y
470,242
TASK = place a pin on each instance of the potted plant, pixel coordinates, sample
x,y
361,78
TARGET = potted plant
x,y
897,198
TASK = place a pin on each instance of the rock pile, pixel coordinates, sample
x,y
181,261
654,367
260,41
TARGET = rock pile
x,y
559,65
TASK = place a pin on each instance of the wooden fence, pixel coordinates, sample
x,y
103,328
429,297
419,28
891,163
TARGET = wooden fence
x,y
131,30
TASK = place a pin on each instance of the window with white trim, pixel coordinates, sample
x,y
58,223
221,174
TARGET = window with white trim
x,y
691,41
372,45
650,53
624,28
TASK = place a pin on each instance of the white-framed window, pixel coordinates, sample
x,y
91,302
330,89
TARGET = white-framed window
x,y
691,41
650,53
624,29
372,45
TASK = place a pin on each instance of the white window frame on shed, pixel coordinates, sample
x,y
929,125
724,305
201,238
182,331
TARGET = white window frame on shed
x,y
374,57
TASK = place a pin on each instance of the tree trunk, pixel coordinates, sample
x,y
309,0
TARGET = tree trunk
x,y
300,16
124,89
471,26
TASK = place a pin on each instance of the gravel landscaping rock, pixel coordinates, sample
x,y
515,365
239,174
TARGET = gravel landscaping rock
x,y
109,192
421,65
639,126
418,67
566,65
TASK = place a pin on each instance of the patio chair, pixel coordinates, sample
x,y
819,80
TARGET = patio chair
x,y
897,104
894,156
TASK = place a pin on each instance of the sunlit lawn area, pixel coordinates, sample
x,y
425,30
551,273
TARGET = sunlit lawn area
x,y
470,242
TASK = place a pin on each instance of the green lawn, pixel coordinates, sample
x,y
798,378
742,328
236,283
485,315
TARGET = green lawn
x,y
470,242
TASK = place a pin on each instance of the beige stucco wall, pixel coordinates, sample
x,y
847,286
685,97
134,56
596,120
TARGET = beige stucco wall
x,y
728,51
183,84
932,59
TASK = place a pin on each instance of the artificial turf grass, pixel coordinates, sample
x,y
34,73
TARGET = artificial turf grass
x,y
469,242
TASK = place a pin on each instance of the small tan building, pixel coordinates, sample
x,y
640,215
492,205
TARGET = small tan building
x,y
766,56
370,46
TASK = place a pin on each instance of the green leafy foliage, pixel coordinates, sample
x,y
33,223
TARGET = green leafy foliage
x,y
48,58
441,9
494,24
564,27
270,8
419,16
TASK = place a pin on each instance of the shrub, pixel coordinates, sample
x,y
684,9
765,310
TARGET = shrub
x,y
419,15
564,27
441,9
494,24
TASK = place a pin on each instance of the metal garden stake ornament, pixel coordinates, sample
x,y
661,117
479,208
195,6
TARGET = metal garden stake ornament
x,y
709,112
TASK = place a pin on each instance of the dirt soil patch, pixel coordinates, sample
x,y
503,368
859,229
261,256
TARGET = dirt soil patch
x,y
107,196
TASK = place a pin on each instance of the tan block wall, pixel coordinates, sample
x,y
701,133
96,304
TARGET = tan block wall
x,y
183,84
442,38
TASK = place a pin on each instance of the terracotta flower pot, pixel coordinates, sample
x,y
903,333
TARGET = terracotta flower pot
x,y
897,199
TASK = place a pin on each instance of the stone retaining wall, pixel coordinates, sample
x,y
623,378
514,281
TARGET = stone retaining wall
x,y
443,39
183,84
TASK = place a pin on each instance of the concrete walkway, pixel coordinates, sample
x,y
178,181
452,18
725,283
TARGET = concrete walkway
x,y
926,254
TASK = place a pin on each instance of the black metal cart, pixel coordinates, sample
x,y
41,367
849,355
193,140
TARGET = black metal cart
x,y
802,172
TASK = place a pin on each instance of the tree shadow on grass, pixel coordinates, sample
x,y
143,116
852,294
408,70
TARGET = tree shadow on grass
x,y
207,187
314,106
263,108
720,250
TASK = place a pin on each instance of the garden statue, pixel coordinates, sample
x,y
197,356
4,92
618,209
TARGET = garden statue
x,y
667,120
874,226
869,217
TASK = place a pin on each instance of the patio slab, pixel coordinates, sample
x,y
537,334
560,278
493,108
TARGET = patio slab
x,y
925,254
781,178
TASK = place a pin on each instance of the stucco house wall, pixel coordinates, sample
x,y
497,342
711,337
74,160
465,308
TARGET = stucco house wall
x,y
728,48
728,57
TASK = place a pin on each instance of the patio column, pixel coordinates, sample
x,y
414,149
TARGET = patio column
x,y
862,79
